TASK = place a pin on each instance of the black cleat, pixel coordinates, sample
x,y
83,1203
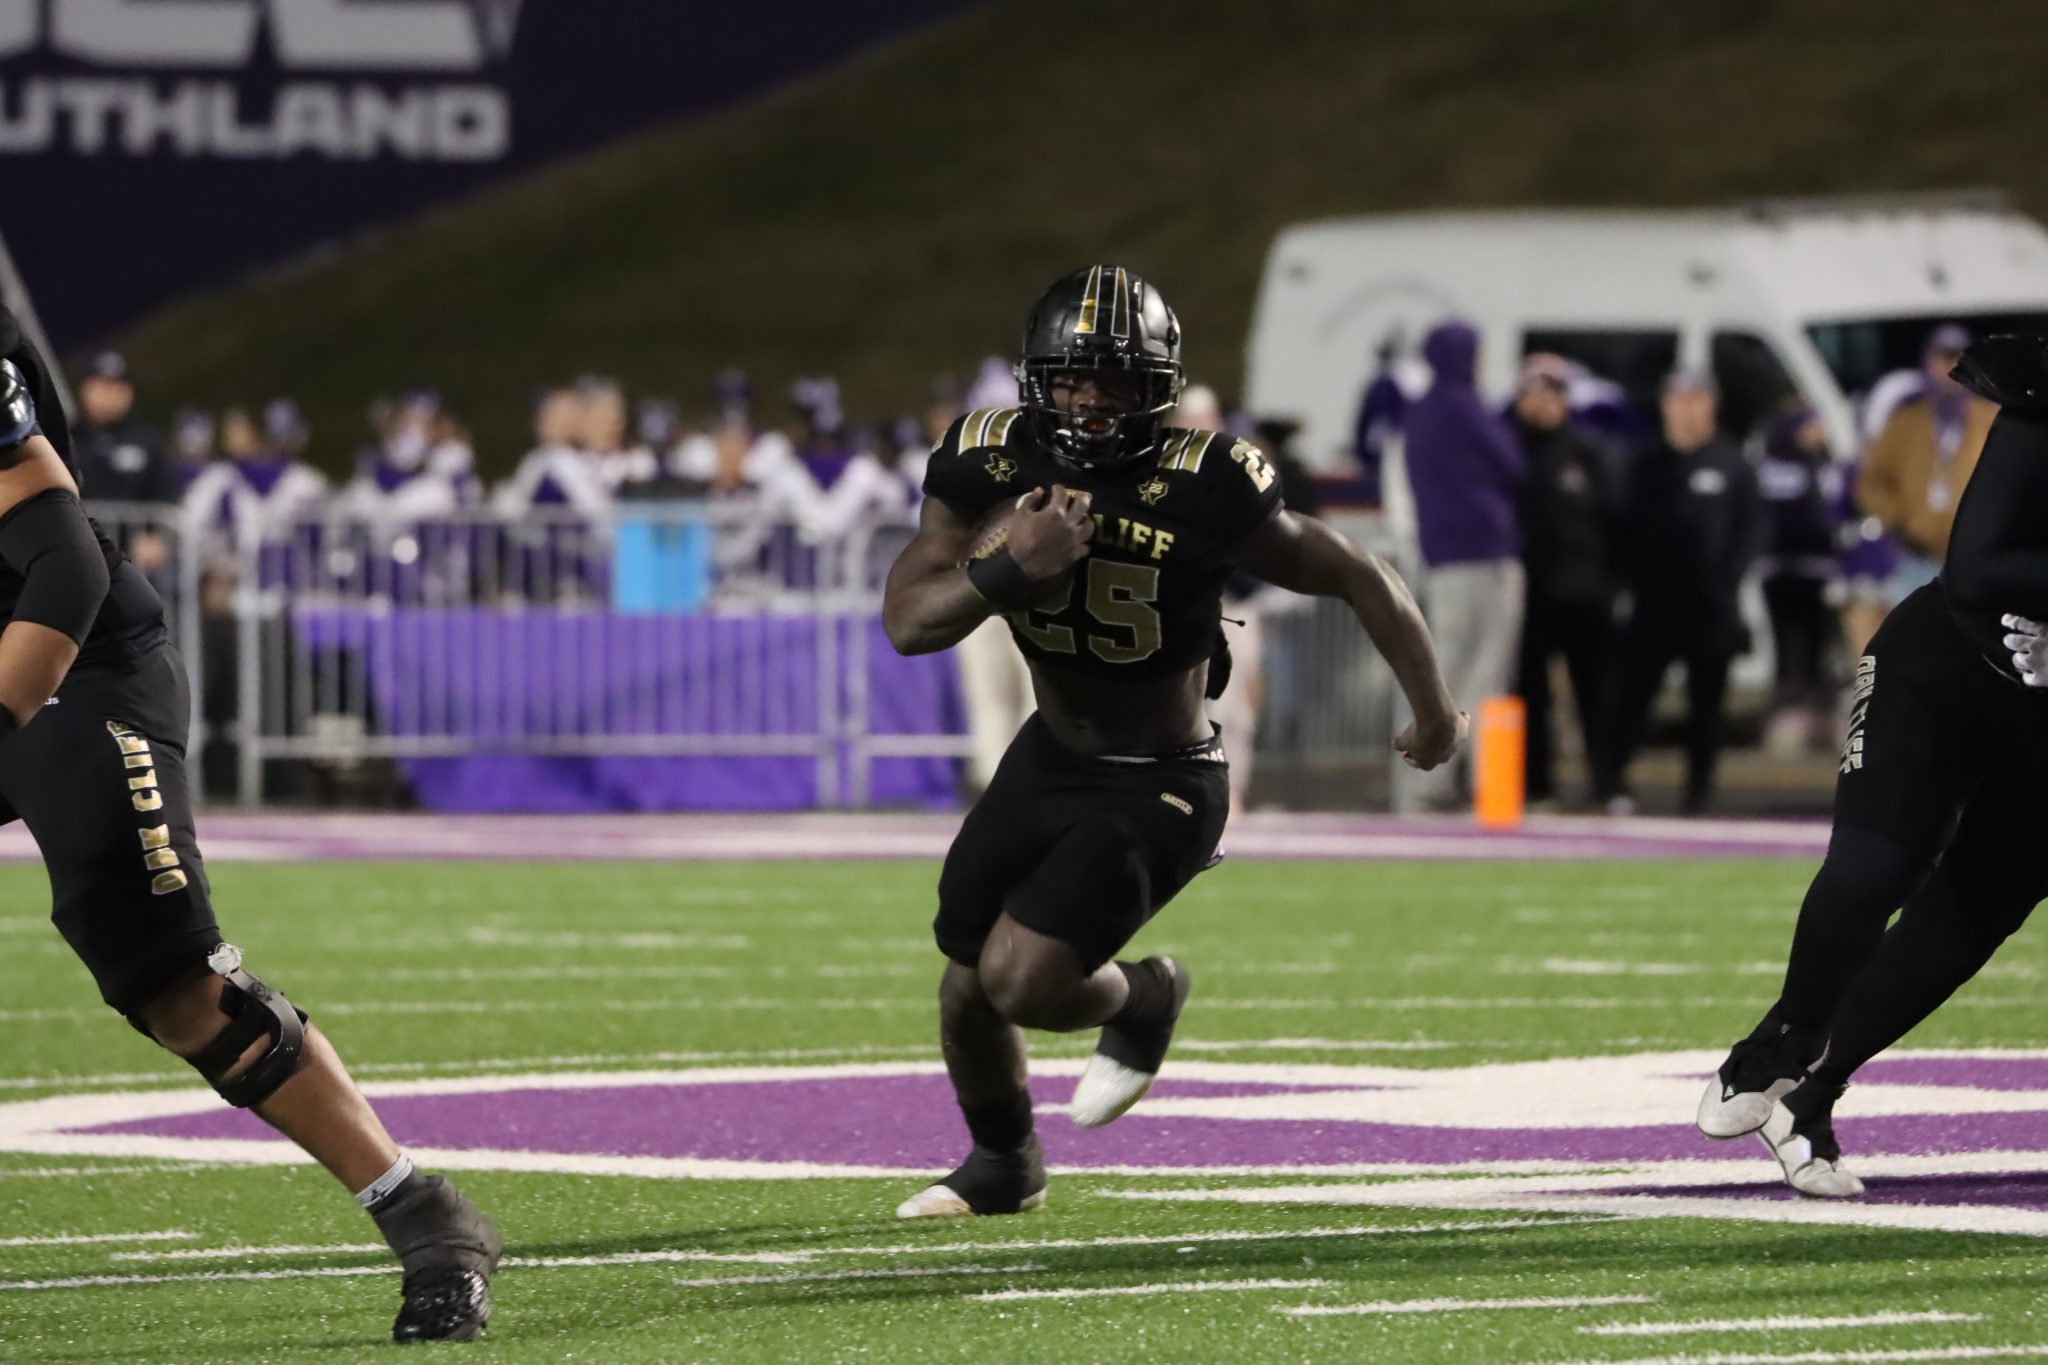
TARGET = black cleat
x,y
986,1183
1128,1055
1759,1070
449,1251
444,1305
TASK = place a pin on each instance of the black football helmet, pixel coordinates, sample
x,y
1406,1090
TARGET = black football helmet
x,y
1108,323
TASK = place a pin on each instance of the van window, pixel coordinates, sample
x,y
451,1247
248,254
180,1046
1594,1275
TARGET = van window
x,y
1753,383
1861,351
1637,361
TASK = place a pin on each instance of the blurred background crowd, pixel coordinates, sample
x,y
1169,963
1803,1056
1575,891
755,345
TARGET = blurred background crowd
x,y
1572,545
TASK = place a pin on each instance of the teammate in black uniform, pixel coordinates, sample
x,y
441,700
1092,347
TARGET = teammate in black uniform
x,y
94,708
1939,808
1114,793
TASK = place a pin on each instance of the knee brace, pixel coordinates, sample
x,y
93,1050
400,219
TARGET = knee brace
x,y
256,1013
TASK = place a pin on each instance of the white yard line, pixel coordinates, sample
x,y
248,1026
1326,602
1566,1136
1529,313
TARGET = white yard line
x,y
1194,1239
230,1253
88,1239
825,1276
70,1172
1772,1324
2008,1352
1133,1290
535,1263
1392,1306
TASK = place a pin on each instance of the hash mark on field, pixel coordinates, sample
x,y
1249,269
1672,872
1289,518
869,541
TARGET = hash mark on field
x,y
1776,1324
84,1239
1390,1306
1168,1287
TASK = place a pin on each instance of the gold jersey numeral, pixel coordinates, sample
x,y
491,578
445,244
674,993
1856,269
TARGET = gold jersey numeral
x,y
1120,598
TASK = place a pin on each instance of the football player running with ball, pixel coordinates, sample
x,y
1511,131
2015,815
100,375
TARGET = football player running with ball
x,y
94,708
1104,538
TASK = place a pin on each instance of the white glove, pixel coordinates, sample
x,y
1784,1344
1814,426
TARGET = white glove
x,y
2028,642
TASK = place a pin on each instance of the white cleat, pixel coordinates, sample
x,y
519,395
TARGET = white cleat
x,y
943,1201
1728,1114
1128,1057
1813,1170
1107,1090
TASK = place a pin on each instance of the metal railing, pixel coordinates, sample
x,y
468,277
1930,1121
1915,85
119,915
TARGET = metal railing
x,y
337,642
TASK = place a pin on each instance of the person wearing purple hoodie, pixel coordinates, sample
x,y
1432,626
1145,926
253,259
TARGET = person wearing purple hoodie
x,y
1465,472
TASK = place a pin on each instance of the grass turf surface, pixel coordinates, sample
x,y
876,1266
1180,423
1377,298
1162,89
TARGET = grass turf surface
x,y
591,967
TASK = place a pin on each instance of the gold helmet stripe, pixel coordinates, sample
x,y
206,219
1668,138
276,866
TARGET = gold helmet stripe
x,y
1120,320
1085,324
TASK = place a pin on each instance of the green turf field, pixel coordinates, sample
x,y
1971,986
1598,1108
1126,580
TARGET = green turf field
x,y
1355,1162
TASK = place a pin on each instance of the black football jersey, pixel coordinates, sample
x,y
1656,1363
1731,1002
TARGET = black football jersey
x,y
1146,600
130,623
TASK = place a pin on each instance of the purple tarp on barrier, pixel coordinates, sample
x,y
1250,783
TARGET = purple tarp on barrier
x,y
501,677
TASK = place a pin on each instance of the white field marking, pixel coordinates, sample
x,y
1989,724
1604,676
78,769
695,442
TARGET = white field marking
x,y
825,1276
2011,1352
1622,1091
535,1262
230,1253
109,1078
1773,1324
866,1004
128,1168
466,1066
325,1272
88,1239
1596,1193
1132,1290
484,936
1190,1239
1578,966
656,971
1385,1307
1324,1045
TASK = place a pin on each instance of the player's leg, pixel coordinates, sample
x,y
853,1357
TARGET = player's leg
x,y
1135,835
1982,890
997,845
100,780
1918,746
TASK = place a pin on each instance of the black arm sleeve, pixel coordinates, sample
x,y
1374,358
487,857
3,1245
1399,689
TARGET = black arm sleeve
x,y
1998,551
49,411
47,540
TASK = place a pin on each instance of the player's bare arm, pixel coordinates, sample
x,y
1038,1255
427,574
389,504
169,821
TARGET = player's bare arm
x,y
1306,556
44,535
932,602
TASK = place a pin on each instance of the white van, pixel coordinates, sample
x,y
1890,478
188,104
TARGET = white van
x,y
1816,299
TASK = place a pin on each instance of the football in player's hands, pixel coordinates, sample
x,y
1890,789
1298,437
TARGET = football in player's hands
x,y
1047,531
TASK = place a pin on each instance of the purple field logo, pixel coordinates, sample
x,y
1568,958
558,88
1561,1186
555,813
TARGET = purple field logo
x,y
1945,1139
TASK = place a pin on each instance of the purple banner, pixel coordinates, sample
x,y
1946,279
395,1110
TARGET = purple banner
x,y
499,679
153,147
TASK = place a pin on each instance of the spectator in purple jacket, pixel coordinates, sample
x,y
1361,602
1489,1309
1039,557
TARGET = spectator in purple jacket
x,y
1465,471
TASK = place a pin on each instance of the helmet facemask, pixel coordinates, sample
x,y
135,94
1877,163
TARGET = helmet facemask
x,y
1098,411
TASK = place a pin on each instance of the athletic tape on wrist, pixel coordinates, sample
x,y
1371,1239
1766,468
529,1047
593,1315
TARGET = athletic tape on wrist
x,y
1000,580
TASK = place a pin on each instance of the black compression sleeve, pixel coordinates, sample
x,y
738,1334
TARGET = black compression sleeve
x,y
1997,558
47,540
